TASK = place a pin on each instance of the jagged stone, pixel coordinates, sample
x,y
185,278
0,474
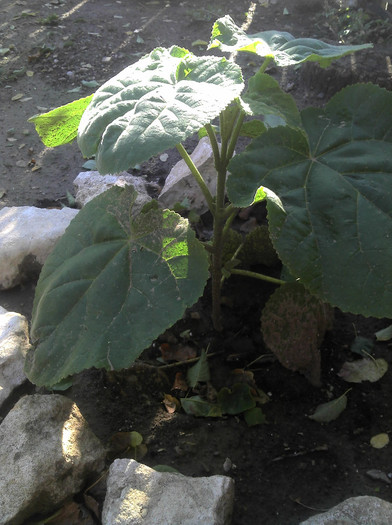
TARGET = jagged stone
x,y
14,344
89,184
138,495
47,452
27,236
362,510
180,183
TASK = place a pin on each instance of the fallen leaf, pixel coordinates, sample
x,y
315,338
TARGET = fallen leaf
x,y
362,346
22,163
385,334
380,440
29,73
171,403
236,400
363,370
18,96
196,406
254,416
90,83
166,468
379,475
177,353
327,412
180,383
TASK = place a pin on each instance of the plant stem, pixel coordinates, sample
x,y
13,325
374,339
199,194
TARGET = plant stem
x,y
265,64
214,144
199,179
256,275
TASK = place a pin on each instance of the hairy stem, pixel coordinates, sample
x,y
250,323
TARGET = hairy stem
x,y
255,275
199,179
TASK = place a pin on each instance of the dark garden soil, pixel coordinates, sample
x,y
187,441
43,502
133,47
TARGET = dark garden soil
x,y
290,467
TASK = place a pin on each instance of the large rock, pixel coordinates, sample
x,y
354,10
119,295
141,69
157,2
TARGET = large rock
x,y
90,184
180,183
14,344
362,510
27,236
138,495
46,453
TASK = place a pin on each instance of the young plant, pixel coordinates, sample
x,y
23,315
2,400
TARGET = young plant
x,y
116,280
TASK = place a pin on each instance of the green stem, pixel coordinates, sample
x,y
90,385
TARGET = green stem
x,y
199,179
265,64
214,144
235,134
256,275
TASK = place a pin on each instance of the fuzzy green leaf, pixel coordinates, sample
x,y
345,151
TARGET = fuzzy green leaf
x,y
282,47
265,97
60,125
154,104
112,284
331,220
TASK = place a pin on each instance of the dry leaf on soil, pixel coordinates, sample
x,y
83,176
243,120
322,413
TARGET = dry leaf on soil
x,y
380,440
363,370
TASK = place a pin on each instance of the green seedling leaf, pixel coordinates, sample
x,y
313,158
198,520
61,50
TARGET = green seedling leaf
x,y
330,411
196,406
109,289
60,125
363,370
254,416
385,334
379,441
200,372
362,346
166,468
282,47
135,439
154,104
236,400
331,220
265,97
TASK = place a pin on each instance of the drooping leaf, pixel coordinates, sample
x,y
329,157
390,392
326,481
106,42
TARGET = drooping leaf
x,y
196,406
380,440
154,104
112,284
330,411
236,400
264,96
281,46
60,125
199,371
331,221
363,370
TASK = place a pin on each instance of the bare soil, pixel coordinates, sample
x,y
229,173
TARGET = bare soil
x,y
290,467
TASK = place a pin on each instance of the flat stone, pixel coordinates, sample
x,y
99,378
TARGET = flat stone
x,y
180,183
47,452
139,495
90,184
14,344
27,236
362,510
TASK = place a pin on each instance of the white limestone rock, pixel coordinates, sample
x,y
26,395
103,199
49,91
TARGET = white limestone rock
x,y
138,495
14,344
89,184
47,451
180,183
362,510
27,236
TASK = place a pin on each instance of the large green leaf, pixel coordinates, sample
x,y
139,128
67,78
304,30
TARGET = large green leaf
x,y
155,104
265,97
112,284
331,220
60,125
279,45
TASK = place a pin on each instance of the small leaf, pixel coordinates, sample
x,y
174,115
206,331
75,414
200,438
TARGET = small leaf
x,y
200,372
236,400
254,416
363,370
196,406
90,83
362,346
327,412
90,165
60,126
166,468
380,440
385,334
171,403
135,439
